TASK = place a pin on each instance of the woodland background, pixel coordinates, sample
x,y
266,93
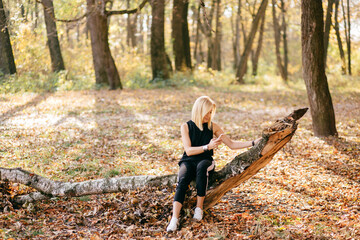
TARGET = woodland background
x,y
64,125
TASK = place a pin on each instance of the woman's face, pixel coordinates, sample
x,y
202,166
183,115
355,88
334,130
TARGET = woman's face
x,y
207,116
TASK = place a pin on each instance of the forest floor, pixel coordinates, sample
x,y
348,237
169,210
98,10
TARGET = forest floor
x,y
310,190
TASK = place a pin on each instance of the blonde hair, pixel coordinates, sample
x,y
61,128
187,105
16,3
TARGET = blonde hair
x,y
201,107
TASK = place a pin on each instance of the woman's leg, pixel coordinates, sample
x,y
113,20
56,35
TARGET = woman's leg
x,y
200,202
186,174
176,209
202,175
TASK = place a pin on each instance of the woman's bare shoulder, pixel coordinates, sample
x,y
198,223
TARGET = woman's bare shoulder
x,y
184,126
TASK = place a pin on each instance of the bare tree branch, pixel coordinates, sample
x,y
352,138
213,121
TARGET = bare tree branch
x,y
63,20
126,11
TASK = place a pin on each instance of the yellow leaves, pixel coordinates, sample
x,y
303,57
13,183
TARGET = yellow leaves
x,y
138,132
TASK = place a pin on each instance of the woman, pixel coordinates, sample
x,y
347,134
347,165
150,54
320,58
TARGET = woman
x,y
197,137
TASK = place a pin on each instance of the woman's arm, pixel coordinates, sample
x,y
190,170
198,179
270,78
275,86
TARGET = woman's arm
x,y
195,150
231,143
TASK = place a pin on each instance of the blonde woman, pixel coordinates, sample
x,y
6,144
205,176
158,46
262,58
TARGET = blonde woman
x,y
198,139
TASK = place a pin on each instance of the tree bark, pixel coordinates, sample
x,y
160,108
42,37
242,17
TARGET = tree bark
x,y
196,19
7,62
347,32
241,69
106,72
312,42
349,37
256,54
131,28
180,35
160,69
240,169
36,17
329,12
57,62
236,41
207,31
284,36
338,38
277,38
216,53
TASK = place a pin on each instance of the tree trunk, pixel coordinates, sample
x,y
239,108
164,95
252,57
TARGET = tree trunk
x,y
241,70
243,30
284,35
57,63
277,39
347,32
256,54
196,20
7,62
106,72
312,42
207,31
180,35
236,42
140,43
349,37
36,17
240,169
159,63
329,12
131,28
216,53
338,38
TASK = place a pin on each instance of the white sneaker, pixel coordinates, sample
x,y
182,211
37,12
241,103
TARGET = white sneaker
x,y
198,214
173,225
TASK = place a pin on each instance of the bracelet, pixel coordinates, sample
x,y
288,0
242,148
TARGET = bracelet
x,y
205,148
253,143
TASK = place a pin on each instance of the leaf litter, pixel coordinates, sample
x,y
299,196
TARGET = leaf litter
x,y
310,190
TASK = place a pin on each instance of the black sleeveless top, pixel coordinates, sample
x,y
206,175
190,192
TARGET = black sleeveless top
x,y
198,138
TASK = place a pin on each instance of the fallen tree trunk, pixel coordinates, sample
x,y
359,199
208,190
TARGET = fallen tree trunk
x,y
240,169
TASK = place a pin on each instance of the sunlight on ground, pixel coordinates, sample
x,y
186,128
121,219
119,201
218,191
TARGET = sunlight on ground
x,y
310,185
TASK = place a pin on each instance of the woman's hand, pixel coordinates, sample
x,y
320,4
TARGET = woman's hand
x,y
214,143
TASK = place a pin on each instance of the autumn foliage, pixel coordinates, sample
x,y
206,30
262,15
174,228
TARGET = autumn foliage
x,y
309,190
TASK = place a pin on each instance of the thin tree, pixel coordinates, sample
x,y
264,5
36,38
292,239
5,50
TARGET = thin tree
x,y
180,35
236,38
7,62
241,69
349,37
57,62
255,54
35,17
216,53
312,42
159,61
281,63
284,37
338,38
131,28
198,54
329,12
347,32
206,29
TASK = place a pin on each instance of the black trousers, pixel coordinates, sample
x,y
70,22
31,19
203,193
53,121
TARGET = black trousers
x,y
190,170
